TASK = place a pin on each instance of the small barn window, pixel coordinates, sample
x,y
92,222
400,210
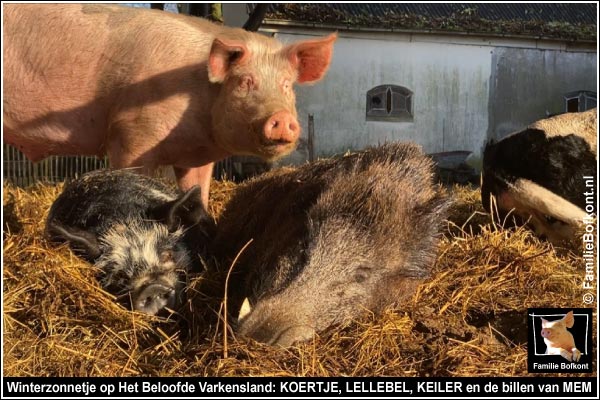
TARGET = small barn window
x,y
580,101
389,103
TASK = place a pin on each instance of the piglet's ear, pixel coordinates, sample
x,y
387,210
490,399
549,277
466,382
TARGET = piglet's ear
x,y
311,57
569,319
187,210
223,55
80,240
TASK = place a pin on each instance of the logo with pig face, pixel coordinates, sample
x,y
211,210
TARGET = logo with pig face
x,y
560,340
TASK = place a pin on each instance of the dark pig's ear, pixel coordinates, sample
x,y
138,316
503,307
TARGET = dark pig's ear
x,y
223,54
79,239
311,57
187,210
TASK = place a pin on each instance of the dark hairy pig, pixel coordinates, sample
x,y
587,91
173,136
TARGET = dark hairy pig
x,y
330,239
141,235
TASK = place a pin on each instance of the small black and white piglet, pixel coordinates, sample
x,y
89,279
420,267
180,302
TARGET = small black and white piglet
x,y
142,235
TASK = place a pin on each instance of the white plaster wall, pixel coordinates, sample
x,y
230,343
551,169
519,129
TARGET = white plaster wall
x,y
450,102
235,14
528,83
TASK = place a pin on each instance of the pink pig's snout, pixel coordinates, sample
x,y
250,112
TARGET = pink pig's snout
x,y
546,333
282,127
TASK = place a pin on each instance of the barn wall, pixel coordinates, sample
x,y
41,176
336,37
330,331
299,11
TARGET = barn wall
x,y
466,90
450,91
528,83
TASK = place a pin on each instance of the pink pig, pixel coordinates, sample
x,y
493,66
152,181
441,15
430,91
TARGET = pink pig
x,y
150,88
558,339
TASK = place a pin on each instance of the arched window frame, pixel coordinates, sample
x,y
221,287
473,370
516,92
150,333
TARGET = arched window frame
x,y
389,103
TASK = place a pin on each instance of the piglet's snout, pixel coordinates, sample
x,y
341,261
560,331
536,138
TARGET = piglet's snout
x,y
154,298
282,127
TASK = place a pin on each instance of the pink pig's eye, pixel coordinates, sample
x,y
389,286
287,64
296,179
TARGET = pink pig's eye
x,y
247,82
286,85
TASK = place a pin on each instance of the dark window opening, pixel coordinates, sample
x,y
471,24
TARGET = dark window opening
x,y
573,105
582,100
389,103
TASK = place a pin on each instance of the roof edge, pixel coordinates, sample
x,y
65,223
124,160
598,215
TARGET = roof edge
x,y
462,33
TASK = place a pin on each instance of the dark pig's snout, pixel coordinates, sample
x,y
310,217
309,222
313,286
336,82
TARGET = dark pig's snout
x,y
275,331
154,298
276,335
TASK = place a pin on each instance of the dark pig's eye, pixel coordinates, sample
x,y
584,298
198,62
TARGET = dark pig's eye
x,y
362,273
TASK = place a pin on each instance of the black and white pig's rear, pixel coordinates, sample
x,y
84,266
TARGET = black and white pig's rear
x,y
142,235
541,174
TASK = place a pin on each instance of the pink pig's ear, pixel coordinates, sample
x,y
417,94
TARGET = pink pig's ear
x,y
569,319
223,55
311,57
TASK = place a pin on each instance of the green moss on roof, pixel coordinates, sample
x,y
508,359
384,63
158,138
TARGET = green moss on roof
x,y
463,19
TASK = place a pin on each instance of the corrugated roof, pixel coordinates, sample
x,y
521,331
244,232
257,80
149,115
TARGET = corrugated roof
x,y
564,20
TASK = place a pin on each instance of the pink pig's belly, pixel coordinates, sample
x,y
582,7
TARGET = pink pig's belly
x,y
62,132
53,60
78,81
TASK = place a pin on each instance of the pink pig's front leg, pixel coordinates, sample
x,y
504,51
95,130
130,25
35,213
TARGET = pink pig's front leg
x,y
576,354
188,177
559,352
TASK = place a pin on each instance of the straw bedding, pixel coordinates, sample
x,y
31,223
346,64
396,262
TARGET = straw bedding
x,y
468,319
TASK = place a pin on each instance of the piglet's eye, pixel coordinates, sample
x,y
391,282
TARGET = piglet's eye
x,y
361,274
166,256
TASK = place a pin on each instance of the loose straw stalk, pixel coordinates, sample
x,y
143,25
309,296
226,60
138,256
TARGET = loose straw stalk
x,y
225,353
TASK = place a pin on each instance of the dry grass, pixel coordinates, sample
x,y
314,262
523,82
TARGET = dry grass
x,y
468,319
